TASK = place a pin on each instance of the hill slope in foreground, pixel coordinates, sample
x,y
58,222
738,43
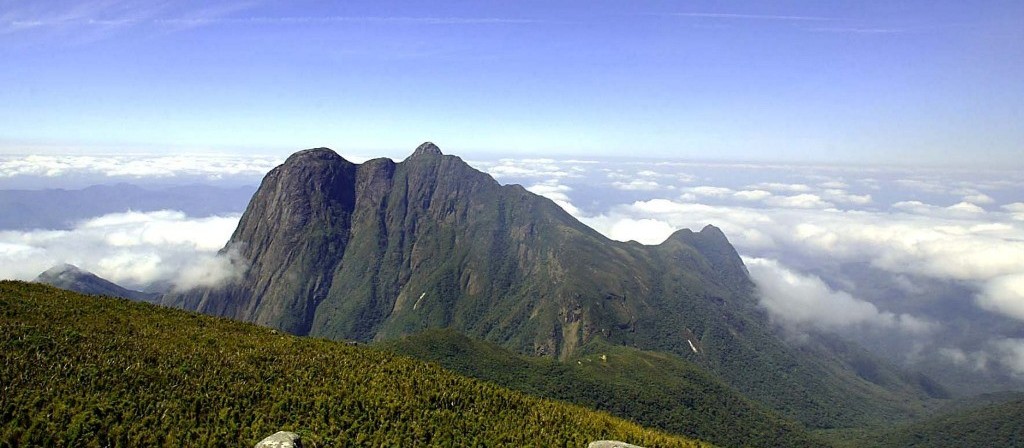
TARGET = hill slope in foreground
x,y
657,390
89,371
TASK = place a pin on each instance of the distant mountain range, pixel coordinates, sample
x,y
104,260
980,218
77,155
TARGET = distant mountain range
x,y
70,277
61,209
378,250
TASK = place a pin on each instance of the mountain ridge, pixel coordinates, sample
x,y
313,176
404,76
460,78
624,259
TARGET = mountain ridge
x,y
383,249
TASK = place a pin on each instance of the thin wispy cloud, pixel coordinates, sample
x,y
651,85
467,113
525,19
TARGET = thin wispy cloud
x,y
839,25
113,14
855,30
712,15
348,19
91,15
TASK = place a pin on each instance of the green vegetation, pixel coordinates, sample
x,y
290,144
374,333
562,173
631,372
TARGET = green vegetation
x,y
653,389
990,425
89,371
380,250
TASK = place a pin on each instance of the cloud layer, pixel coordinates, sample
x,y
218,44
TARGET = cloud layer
x,y
132,249
985,249
138,166
796,227
937,242
800,301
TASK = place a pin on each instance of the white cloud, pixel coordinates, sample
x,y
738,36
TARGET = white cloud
x,y
638,185
975,248
1016,210
805,200
709,191
927,186
1005,352
752,195
781,187
212,271
1010,353
133,249
837,184
745,227
526,168
761,193
979,198
954,355
801,301
842,196
965,207
557,193
1005,295
140,166
644,231
960,209
977,360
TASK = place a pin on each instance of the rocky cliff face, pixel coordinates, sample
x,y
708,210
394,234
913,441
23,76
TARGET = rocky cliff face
x,y
382,249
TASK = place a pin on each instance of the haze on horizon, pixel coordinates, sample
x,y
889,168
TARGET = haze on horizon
x,y
911,83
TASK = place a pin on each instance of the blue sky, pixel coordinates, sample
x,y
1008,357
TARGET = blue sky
x,y
922,82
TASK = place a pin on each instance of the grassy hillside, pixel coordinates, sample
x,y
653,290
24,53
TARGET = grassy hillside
x,y
654,389
89,371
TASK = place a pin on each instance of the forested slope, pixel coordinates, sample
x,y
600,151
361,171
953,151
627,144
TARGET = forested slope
x,y
657,390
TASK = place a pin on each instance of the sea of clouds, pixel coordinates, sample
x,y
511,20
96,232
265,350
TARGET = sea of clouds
x,y
886,251
853,250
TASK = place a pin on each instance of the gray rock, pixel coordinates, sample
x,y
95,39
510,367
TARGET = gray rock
x,y
281,439
611,444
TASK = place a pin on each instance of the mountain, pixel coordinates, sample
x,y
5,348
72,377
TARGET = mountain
x,y
384,249
95,371
70,277
657,390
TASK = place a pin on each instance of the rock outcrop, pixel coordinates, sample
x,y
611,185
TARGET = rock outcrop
x,y
611,444
281,439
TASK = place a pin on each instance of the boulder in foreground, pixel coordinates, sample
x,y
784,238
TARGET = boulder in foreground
x,y
281,439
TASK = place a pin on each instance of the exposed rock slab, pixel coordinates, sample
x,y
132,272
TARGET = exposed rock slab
x,y
282,439
611,444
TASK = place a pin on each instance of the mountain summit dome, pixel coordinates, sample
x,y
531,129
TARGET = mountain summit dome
x,y
426,149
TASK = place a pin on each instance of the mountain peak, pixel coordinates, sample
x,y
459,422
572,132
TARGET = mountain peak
x,y
62,270
312,154
71,277
426,149
713,232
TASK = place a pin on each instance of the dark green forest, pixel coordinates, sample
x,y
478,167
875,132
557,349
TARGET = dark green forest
x,y
965,424
654,389
91,371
